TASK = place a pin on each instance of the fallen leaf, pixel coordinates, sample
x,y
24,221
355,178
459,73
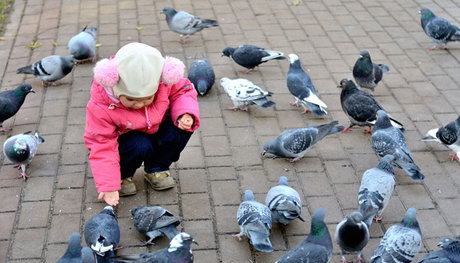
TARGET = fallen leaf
x,y
296,2
98,44
138,28
54,43
2,38
34,44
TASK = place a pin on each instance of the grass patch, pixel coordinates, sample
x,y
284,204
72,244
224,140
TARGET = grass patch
x,y
5,7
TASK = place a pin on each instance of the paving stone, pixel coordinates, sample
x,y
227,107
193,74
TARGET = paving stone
x,y
38,188
62,227
225,192
28,243
10,199
67,201
202,231
34,214
196,206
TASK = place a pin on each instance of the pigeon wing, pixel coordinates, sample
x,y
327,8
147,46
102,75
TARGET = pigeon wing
x,y
298,140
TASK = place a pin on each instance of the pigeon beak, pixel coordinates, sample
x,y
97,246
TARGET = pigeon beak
x,y
262,155
31,90
194,241
419,12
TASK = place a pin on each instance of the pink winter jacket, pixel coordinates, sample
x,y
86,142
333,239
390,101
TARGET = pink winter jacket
x,y
106,120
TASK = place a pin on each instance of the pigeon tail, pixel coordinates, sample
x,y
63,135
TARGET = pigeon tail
x,y
264,102
202,87
170,231
456,36
397,124
317,110
336,129
272,54
209,23
384,68
260,241
26,70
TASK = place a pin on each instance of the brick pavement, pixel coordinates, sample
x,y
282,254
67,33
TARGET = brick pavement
x,y
222,158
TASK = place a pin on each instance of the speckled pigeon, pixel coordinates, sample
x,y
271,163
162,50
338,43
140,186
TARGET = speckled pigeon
x,y
250,56
186,24
301,87
201,75
360,107
450,252
284,202
21,149
294,143
255,222
438,29
401,242
352,235
448,135
366,73
243,92
83,45
11,101
155,221
317,247
377,185
73,253
50,69
387,139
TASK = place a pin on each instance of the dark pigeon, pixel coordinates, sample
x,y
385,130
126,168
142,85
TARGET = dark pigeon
x,y
155,221
317,247
73,253
50,69
284,202
83,45
21,149
360,107
201,75
450,252
300,85
387,139
11,101
255,222
87,255
243,93
294,143
401,242
352,235
448,135
438,29
186,24
250,56
366,73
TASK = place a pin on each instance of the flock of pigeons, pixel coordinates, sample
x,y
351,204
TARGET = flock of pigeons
x,y
400,243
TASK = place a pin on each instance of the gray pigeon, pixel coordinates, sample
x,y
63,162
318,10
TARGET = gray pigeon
x,y
73,253
87,255
11,101
448,135
300,85
450,252
179,251
387,139
438,29
50,69
366,73
316,248
401,242
255,222
102,234
83,45
377,185
360,107
294,143
186,24
243,92
201,75
250,56
155,221
21,148
284,202
352,235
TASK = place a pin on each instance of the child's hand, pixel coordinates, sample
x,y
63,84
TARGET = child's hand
x,y
185,122
111,198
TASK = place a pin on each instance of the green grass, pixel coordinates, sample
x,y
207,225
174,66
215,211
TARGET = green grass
x,y
5,7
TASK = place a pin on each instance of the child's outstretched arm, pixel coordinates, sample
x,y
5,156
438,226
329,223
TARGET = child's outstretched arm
x,y
184,105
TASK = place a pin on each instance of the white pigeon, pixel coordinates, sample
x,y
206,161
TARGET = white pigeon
x,y
448,135
243,92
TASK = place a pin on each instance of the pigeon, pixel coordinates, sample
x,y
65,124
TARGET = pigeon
x,y
11,101
450,252
377,185
317,247
366,73
179,251
294,143
284,202
243,92
184,23
360,107
83,45
250,56
448,135
255,222
87,255
201,75
155,221
352,235
300,85
401,242
438,29
102,234
387,139
21,148
50,68
73,253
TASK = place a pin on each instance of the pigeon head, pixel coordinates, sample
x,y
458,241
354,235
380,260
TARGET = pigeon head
x,y
168,11
135,209
445,242
386,163
228,51
364,53
347,84
16,150
271,147
180,240
74,248
248,196
383,120
293,58
108,210
23,90
283,180
318,227
410,219
92,30
355,217
426,13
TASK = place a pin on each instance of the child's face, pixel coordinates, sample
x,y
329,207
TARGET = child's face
x,y
135,103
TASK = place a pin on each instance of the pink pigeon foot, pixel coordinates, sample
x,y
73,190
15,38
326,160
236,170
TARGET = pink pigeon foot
x,y
368,130
378,218
360,260
346,129
443,47
17,166
23,176
345,261
294,103
5,129
291,160
454,157
247,71
237,236
183,39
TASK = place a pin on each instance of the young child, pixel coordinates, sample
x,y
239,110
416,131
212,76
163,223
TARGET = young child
x,y
141,111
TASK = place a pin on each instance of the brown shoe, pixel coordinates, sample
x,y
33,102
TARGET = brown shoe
x,y
160,180
127,187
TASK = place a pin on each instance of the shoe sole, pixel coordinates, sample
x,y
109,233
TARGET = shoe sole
x,y
127,194
158,188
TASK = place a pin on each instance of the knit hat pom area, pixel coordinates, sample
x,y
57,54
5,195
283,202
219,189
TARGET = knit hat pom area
x,y
173,70
106,73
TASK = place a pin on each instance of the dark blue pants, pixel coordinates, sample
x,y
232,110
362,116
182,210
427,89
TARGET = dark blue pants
x,y
157,151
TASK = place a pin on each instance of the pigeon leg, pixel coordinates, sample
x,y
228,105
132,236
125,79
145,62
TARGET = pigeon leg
x,y
183,39
377,218
369,130
346,129
359,259
247,71
44,84
232,108
291,160
23,174
238,236
18,166
295,103
306,110
5,129
344,260
454,157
